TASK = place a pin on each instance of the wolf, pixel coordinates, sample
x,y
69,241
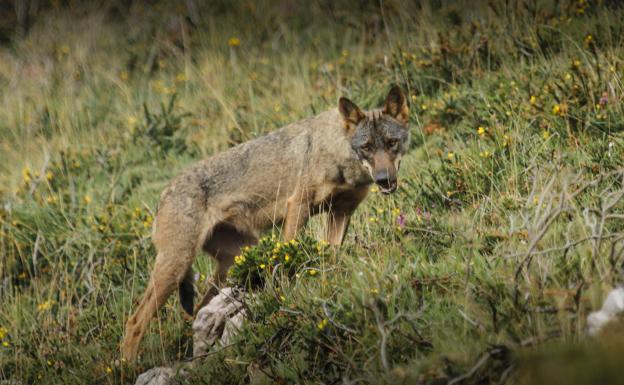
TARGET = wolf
x,y
219,205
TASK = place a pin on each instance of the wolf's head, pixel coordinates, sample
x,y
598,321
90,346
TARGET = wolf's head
x,y
379,137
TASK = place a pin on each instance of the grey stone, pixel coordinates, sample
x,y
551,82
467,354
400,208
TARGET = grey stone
x,y
218,321
156,376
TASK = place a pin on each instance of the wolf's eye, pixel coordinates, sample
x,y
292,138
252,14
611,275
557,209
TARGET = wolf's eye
x,y
392,143
367,147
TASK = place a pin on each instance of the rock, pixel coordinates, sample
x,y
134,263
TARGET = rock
x,y
219,321
612,306
156,376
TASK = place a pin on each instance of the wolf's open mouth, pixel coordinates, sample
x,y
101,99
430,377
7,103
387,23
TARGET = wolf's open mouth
x,y
386,190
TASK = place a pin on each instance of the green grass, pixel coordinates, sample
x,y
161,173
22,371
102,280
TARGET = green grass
x,y
512,233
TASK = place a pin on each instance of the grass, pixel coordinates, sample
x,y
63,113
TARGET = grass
x,y
505,232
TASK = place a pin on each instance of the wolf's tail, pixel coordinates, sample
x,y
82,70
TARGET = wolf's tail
x,y
187,292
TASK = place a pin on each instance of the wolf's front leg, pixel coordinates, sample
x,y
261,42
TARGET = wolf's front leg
x,y
297,214
343,206
337,224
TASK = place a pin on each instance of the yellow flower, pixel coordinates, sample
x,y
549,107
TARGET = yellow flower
x,y
506,140
3,332
556,109
132,121
87,199
262,265
234,42
374,189
450,156
481,131
533,100
49,175
239,259
396,211
282,298
568,76
321,325
374,291
485,154
109,370
43,306
576,63
312,272
26,175
286,257
545,134
380,211
5,344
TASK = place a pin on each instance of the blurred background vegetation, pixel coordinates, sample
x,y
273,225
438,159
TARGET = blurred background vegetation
x,y
505,232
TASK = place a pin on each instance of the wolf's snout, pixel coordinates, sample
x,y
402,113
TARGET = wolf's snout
x,y
386,181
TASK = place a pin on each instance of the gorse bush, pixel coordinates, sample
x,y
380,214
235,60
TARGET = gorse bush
x,y
270,256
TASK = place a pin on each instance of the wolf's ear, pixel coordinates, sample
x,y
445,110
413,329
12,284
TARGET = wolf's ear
x,y
351,113
396,105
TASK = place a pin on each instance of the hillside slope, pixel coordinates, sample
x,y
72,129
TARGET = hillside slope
x,y
505,232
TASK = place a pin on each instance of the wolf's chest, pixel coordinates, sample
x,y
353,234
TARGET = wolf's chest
x,y
347,175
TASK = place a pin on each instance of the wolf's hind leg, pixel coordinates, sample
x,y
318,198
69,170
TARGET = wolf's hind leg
x,y
168,273
187,292
224,244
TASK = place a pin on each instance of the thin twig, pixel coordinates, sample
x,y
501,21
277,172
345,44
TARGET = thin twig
x,y
485,358
334,322
210,353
